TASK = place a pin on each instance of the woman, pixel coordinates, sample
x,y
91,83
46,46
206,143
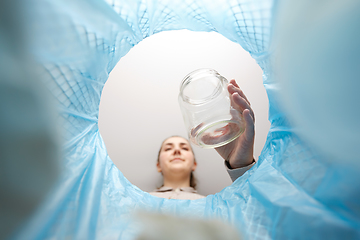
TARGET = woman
x,y
176,160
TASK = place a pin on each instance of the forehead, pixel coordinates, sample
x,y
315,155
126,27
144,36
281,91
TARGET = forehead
x,y
175,141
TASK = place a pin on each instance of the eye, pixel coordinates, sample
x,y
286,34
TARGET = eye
x,y
186,149
167,149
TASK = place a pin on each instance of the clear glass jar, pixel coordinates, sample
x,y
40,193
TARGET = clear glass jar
x,y
205,104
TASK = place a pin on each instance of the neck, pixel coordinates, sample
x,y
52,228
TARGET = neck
x,y
177,181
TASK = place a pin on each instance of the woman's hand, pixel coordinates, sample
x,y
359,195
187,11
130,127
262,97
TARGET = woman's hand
x,y
240,152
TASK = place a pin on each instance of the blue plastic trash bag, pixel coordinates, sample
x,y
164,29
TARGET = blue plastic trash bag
x,y
293,191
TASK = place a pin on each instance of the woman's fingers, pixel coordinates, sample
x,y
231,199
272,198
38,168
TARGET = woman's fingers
x,y
250,127
241,104
233,82
238,98
234,87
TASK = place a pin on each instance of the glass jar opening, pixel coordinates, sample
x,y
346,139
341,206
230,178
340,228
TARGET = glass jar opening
x,y
201,86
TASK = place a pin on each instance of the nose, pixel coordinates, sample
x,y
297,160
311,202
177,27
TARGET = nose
x,y
177,151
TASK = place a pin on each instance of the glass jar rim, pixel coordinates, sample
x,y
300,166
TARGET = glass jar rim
x,y
198,74
195,73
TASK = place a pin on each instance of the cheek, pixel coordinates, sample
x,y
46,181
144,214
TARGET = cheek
x,y
163,157
190,156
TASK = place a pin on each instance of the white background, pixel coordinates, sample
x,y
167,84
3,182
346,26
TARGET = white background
x,y
139,107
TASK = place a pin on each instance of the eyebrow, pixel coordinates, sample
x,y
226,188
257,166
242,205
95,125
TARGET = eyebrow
x,y
181,144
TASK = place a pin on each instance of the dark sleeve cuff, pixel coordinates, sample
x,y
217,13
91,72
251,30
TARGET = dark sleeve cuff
x,y
237,172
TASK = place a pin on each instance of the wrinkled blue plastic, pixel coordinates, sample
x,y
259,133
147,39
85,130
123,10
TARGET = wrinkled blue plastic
x,y
291,193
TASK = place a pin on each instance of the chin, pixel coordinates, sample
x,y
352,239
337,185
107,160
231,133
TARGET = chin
x,y
180,169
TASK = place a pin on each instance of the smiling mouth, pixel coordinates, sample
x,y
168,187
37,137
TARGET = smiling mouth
x,y
176,159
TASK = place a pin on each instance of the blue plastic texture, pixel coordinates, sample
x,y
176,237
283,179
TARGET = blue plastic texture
x,y
291,192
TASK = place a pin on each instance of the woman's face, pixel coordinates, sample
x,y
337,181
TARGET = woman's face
x,y
176,156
